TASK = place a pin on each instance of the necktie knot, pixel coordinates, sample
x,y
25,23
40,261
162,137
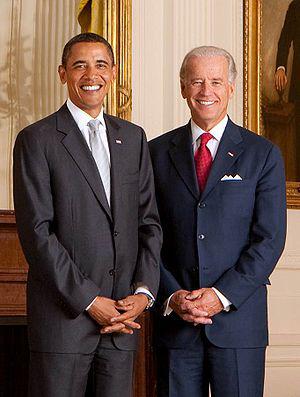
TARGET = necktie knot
x,y
94,125
205,137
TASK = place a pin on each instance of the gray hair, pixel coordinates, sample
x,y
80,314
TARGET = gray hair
x,y
210,51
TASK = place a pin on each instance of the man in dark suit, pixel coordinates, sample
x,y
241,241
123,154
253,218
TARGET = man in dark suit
x,y
290,33
221,198
88,224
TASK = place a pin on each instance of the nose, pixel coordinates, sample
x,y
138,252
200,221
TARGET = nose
x,y
91,72
205,88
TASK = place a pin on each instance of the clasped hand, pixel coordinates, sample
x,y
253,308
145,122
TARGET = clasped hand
x,y
197,306
118,316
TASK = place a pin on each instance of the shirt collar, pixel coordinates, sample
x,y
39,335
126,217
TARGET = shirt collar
x,y
82,118
217,131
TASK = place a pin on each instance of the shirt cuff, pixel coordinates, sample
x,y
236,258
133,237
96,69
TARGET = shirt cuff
x,y
144,290
91,304
281,67
225,302
166,307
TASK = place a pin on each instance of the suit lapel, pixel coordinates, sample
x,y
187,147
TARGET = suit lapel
x,y
230,148
116,147
78,149
181,153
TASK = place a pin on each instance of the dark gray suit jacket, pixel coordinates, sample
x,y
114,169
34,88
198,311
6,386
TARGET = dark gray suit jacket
x,y
230,236
76,246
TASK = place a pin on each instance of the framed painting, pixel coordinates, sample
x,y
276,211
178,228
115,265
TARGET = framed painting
x,y
272,80
112,19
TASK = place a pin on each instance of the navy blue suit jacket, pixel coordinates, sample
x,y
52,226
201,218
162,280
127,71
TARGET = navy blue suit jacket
x,y
230,236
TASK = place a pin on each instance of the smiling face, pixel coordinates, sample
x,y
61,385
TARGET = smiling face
x,y
207,89
88,74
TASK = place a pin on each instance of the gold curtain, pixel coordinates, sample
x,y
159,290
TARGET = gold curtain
x,y
112,20
32,35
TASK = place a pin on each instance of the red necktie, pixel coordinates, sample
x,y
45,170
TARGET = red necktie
x,y
203,161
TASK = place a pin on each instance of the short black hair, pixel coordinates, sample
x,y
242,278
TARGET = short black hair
x,y
85,38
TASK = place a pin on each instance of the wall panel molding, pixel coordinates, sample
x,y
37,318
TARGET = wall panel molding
x,y
284,339
283,363
147,54
289,261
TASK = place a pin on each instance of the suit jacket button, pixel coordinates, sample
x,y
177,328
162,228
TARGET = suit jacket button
x,y
201,236
195,269
116,233
202,205
112,272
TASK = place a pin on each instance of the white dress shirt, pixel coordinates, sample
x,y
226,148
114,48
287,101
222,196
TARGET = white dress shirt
x,y
213,144
82,118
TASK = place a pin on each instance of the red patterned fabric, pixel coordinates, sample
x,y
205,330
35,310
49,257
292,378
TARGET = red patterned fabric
x,y
203,161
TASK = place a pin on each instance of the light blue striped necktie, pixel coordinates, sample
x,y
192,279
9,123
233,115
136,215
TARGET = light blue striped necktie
x,y
100,155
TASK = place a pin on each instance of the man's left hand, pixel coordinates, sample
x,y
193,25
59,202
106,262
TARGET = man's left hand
x,y
207,300
131,306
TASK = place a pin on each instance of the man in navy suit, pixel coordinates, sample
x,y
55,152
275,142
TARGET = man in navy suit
x,y
221,198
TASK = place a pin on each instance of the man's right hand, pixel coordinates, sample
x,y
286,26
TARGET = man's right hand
x,y
104,309
280,80
188,310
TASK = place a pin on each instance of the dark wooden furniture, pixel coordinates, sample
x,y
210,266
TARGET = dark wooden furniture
x,y
13,268
13,336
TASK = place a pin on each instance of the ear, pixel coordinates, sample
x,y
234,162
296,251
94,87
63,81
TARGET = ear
x,y
114,72
231,89
62,74
183,89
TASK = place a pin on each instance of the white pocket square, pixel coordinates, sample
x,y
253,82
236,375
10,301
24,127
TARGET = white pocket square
x,y
236,177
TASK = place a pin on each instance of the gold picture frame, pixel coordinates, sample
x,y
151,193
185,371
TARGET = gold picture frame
x,y
252,13
112,19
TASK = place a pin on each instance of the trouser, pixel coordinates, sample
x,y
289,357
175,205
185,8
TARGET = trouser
x,y
65,375
192,371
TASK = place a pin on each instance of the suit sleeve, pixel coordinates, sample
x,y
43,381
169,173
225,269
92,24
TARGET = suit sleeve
x,y
286,37
267,235
167,285
48,260
149,229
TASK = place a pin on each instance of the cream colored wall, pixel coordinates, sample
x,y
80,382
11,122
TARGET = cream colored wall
x,y
283,356
32,35
163,31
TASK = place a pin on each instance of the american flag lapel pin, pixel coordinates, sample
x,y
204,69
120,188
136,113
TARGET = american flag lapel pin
x,y
119,141
230,154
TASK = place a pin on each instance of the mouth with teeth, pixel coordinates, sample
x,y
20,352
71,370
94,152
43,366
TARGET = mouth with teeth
x,y
205,103
95,87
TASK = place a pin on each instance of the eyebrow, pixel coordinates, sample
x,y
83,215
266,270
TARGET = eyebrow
x,y
209,79
79,62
